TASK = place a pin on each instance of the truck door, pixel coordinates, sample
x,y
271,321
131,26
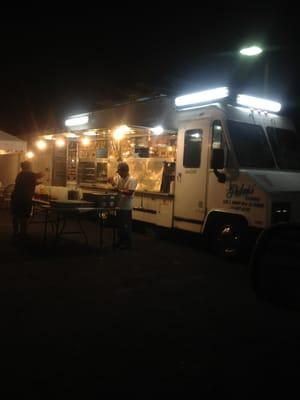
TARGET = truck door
x,y
191,175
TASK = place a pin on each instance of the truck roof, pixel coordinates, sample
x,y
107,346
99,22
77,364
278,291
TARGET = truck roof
x,y
237,113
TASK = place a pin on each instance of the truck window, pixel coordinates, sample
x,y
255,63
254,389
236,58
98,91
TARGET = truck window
x,y
192,148
286,147
250,145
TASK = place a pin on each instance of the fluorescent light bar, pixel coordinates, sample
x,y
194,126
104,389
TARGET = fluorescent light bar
x,y
251,51
202,97
259,103
77,120
90,133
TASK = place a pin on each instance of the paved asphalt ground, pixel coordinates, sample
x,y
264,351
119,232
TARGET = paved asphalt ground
x,y
165,318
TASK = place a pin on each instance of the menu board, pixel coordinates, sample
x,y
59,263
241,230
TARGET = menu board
x,y
59,166
101,152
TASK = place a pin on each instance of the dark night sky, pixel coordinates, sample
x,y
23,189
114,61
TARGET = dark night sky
x,y
56,63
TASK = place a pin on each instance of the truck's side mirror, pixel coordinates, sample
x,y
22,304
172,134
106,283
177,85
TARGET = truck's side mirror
x,y
217,162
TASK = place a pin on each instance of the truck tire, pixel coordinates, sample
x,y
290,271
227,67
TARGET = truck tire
x,y
227,237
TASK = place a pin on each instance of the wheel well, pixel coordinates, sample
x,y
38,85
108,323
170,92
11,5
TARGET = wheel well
x,y
216,217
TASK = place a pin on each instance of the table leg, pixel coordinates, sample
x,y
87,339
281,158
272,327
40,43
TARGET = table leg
x,y
82,230
64,222
100,230
57,226
46,226
114,229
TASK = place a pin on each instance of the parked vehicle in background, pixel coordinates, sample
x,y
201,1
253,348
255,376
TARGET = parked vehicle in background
x,y
275,266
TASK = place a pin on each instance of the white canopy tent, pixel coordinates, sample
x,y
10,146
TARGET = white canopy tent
x,y
11,144
12,151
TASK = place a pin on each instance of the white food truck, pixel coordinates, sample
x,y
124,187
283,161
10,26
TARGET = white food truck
x,y
246,174
231,166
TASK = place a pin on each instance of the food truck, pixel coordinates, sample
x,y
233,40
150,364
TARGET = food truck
x,y
220,163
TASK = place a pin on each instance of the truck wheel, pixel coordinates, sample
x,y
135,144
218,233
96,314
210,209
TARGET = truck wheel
x,y
228,238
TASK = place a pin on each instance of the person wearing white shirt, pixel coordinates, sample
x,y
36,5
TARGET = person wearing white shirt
x,y
125,186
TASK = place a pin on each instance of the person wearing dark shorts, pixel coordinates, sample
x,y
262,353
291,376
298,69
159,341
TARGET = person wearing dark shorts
x,y
21,199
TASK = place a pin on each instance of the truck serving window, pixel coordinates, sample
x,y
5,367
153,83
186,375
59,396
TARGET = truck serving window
x,y
250,145
286,147
192,148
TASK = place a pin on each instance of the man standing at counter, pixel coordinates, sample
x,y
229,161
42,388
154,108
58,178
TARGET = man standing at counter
x,y
125,186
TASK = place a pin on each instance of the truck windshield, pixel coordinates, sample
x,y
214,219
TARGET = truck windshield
x,y
250,145
286,147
